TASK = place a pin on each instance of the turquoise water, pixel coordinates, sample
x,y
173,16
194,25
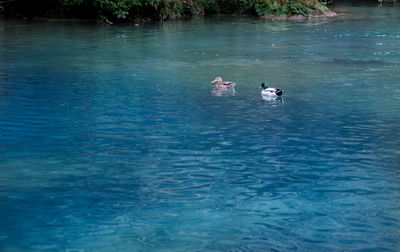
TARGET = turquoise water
x,y
113,139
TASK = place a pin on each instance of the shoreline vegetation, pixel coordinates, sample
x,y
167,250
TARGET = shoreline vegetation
x,y
139,11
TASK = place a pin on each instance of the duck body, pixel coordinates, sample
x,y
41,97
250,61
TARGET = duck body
x,y
223,84
272,92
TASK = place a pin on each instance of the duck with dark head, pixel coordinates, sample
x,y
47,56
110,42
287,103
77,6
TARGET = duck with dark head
x,y
274,92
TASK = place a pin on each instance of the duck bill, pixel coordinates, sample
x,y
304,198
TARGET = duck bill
x,y
213,81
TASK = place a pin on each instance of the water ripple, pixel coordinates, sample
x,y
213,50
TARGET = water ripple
x,y
120,148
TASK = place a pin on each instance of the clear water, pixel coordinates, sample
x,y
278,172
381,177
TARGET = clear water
x,y
112,139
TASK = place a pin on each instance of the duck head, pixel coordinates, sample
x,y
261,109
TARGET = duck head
x,y
217,79
264,85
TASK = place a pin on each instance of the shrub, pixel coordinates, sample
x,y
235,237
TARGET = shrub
x,y
289,7
136,10
122,10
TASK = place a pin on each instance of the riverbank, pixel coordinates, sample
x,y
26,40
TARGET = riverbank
x,y
133,11
327,14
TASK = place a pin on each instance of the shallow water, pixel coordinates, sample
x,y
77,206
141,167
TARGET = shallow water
x,y
113,139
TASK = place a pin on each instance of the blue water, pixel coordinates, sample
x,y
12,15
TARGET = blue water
x,y
113,139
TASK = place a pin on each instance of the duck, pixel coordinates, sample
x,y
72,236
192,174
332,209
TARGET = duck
x,y
223,84
272,92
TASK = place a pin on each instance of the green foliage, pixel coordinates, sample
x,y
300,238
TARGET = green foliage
x,y
297,8
320,7
210,6
120,10
289,7
111,11
269,7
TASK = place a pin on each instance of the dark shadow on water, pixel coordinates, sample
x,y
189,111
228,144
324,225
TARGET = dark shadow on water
x,y
357,62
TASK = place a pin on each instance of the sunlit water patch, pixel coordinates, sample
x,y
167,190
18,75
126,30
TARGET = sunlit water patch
x,y
113,139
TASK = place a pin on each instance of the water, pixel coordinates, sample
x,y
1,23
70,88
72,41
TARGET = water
x,y
112,139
